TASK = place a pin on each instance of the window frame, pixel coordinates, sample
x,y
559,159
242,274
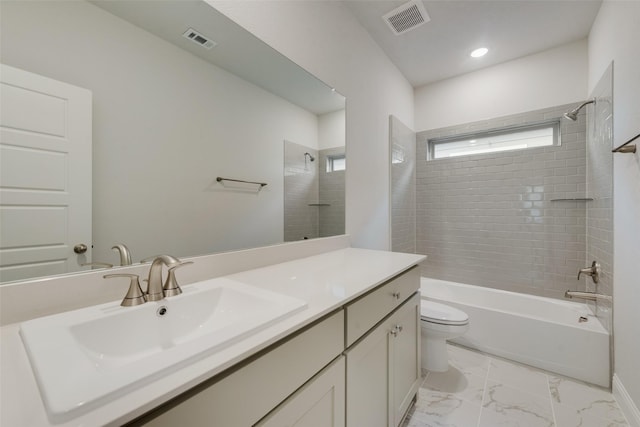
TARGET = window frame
x,y
553,123
330,162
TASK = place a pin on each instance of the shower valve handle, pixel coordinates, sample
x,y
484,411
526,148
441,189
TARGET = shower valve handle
x,y
593,271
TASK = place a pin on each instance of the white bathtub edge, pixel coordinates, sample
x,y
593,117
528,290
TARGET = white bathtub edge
x,y
580,373
629,408
518,327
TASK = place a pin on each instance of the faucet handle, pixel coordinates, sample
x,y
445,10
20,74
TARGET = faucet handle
x,y
171,287
134,296
593,271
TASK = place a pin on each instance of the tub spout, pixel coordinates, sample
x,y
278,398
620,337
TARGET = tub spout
x,y
591,296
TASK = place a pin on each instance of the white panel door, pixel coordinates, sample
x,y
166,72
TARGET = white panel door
x,y
45,175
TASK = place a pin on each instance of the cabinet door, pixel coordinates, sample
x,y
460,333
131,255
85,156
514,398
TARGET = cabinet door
x,y
319,403
404,358
383,369
367,380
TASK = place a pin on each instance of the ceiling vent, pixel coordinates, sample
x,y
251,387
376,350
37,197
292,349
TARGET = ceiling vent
x,y
407,17
198,38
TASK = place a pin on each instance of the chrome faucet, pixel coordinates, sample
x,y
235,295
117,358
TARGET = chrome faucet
x,y
125,258
155,289
125,254
155,292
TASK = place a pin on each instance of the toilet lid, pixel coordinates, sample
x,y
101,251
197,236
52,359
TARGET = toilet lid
x,y
439,313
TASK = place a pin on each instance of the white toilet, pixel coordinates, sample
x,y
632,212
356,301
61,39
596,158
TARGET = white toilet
x,y
439,323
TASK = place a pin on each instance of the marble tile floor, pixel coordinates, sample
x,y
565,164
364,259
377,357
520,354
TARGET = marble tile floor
x,y
480,390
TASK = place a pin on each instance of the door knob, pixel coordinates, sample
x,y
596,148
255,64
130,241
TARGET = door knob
x,y
80,248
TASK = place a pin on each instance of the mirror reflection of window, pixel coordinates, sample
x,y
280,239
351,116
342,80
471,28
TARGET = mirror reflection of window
x,y
336,163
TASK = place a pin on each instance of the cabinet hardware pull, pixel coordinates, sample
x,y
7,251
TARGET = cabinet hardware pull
x,y
396,295
396,330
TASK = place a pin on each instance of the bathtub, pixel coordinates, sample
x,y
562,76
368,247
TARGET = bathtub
x,y
537,331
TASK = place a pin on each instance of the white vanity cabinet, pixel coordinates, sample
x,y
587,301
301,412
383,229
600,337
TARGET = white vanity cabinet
x,y
359,366
251,391
349,358
383,366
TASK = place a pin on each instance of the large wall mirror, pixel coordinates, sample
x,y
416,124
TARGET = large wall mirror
x,y
178,95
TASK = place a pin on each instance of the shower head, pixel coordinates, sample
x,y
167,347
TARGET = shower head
x,y
573,114
310,156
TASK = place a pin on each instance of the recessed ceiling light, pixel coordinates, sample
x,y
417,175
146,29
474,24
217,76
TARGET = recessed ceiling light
x,y
482,51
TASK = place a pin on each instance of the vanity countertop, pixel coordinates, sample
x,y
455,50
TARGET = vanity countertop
x,y
326,282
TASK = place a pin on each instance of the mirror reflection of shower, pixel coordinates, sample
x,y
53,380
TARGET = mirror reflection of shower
x,y
573,114
311,158
313,192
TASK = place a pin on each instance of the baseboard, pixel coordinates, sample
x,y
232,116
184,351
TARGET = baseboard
x,y
627,405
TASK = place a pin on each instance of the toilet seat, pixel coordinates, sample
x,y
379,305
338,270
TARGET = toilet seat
x,y
433,312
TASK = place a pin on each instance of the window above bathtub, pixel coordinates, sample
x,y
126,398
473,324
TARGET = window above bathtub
x,y
519,137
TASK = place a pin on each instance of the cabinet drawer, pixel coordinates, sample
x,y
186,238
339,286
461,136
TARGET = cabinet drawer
x,y
246,395
364,313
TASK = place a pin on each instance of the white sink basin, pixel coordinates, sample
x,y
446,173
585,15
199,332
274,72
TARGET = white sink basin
x,y
82,358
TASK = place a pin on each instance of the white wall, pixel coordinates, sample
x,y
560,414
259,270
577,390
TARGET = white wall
x,y
166,124
331,130
324,38
614,37
554,77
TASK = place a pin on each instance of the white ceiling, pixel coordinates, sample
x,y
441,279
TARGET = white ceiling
x,y
510,29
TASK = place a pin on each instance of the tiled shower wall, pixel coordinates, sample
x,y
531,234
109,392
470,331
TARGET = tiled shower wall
x,y
301,186
331,196
489,219
600,188
314,199
403,187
